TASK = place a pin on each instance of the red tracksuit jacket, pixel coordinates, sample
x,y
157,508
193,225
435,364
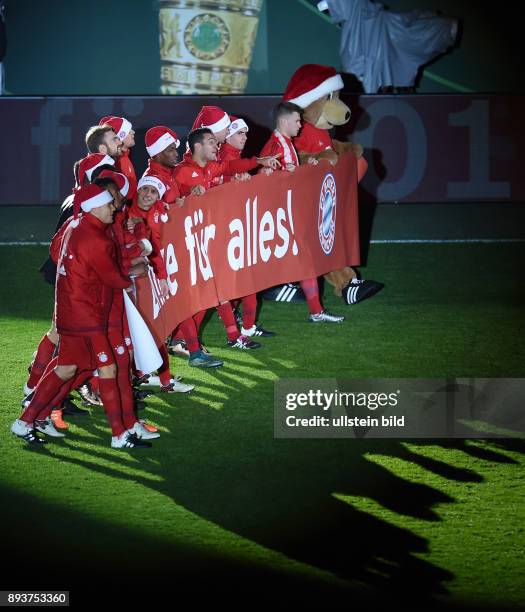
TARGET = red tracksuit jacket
x,y
88,273
188,173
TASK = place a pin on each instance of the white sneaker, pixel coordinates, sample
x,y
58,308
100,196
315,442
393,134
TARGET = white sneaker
x,y
177,387
325,317
26,432
142,433
128,440
27,390
21,428
48,427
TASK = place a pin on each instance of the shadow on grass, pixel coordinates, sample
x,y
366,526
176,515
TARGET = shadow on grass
x,y
225,467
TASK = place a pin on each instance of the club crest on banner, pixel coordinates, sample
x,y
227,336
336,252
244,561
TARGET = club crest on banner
x,y
327,214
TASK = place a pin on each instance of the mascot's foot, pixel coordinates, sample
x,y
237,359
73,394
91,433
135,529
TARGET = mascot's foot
x,y
290,292
358,290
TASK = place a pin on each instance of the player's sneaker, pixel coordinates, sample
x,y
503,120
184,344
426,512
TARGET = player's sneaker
x,y
176,387
26,432
89,397
148,426
243,343
325,317
202,360
177,347
141,432
358,290
58,421
140,380
255,330
28,390
46,426
128,440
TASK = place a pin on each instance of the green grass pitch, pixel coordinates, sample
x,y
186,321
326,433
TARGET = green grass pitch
x,y
219,508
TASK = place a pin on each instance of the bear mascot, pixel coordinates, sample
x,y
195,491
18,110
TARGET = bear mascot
x,y
315,89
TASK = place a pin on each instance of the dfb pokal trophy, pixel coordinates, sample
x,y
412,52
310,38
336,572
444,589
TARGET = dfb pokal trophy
x,y
206,45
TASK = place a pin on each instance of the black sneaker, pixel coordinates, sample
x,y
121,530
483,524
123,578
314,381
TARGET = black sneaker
x,y
71,409
140,380
243,343
358,290
257,331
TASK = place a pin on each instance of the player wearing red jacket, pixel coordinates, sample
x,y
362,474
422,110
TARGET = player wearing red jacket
x,y
162,144
195,176
124,130
236,138
287,125
203,167
87,276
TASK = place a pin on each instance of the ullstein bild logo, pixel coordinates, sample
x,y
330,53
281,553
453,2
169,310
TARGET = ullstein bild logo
x,y
327,213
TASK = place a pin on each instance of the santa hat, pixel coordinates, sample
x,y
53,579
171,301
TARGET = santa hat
x,y
87,165
211,117
311,82
235,126
152,181
121,126
87,198
119,179
159,138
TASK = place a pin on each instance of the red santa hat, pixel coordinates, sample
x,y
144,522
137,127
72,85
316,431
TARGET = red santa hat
x,y
235,126
152,181
158,138
121,126
87,165
311,82
211,117
119,179
87,198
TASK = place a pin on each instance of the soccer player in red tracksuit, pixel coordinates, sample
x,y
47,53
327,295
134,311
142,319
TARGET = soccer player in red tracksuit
x,y
236,137
87,276
153,213
124,130
288,123
194,177
162,144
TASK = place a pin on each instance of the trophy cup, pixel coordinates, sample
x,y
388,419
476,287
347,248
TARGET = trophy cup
x,y
206,45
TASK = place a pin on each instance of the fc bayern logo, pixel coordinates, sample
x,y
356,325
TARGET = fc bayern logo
x,y
327,212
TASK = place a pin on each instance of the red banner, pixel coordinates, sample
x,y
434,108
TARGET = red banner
x,y
240,238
